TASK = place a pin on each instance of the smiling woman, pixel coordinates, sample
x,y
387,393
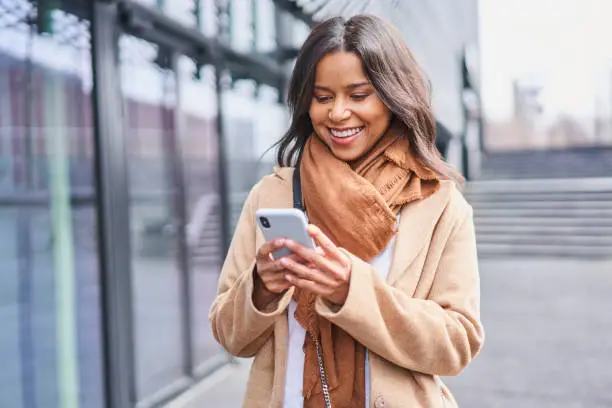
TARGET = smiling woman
x,y
382,307
361,74
346,112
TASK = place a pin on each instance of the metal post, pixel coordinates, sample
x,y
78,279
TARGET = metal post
x,y
224,35
175,138
112,210
224,198
284,40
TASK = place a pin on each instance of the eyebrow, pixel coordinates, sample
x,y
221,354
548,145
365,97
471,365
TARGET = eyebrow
x,y
349,86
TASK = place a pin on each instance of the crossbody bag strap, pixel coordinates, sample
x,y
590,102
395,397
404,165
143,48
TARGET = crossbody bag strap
x,y
297,189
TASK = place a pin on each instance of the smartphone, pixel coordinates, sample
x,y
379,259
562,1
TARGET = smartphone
x,y
288,223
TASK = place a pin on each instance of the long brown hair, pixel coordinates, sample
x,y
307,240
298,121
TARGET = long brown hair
x,y
392,70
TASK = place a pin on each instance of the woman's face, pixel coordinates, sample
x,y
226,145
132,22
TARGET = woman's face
x,y
345,111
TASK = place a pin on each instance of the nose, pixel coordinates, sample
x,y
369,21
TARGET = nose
x,y
338,111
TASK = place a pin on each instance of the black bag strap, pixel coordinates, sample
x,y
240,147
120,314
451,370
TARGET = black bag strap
x,y
297,189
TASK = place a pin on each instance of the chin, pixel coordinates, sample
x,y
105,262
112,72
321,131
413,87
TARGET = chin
x,y
345,155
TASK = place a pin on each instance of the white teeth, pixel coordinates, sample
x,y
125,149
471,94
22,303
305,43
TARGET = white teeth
x,y
346,133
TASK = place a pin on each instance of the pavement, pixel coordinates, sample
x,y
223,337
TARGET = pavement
x,y
548,342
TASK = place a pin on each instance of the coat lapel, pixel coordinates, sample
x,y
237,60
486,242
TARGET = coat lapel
x,y
417,223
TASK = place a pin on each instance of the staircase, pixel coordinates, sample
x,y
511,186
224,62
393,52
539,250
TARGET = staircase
x,y
543,217
207,251
583,162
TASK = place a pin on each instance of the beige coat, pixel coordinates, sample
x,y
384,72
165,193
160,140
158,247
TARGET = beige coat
x,y
421,323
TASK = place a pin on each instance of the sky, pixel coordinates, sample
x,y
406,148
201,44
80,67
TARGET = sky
x,y
565,43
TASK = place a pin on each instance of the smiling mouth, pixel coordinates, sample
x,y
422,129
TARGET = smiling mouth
x,y
345,133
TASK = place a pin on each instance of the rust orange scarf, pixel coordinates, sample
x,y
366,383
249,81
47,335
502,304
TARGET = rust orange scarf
x,y
356,206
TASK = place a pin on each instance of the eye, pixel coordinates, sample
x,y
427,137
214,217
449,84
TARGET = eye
x,y
359,97
322,98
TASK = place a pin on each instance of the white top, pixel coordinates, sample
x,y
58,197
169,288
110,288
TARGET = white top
x,y
295,354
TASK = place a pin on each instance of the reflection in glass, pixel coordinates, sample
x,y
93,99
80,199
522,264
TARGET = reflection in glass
x,y
50,342
150,97
199,155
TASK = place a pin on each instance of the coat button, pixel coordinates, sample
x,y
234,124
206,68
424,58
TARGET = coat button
x,y
380,402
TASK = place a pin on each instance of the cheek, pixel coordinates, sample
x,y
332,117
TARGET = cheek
x,y
376,116
317,114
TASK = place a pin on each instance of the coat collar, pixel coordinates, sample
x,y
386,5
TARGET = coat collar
x,y
416,226
283,173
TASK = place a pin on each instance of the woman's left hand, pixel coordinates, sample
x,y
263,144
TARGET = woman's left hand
x,y
327,272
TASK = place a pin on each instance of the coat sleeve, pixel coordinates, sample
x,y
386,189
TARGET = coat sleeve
x,y
439,335
237,324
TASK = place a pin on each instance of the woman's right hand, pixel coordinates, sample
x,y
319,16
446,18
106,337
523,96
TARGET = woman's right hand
x,y
270,279
270,271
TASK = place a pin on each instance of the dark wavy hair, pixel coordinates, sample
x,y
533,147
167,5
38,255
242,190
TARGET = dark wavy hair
x,y
389,66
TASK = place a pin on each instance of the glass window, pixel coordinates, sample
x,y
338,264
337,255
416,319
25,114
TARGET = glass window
x,y
149,91
50,342
200,158
249,137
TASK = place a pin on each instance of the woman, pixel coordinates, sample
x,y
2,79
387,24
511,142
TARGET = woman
x,y
389,301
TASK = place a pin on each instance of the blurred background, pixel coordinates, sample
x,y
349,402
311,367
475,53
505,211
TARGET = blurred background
x,y
131,132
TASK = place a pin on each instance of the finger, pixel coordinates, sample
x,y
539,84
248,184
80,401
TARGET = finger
x,y
312,286
267,248
306,254
276,278
273,268
277,266
278,284
321,262
311,274
327,244
296,258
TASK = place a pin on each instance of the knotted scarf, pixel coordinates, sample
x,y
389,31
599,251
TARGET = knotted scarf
x,y
356,206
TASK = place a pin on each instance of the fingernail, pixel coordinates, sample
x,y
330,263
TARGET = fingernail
x,y
280,241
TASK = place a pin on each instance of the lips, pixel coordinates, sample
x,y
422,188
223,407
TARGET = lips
x,y
346,136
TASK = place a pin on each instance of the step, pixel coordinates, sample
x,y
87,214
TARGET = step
x,y
211,234
504,249
205,249
481,197
216,261
591,184
545,221
530,239
593,213
541,230
547,205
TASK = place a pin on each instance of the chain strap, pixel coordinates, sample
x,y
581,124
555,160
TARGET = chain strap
x,y
297,203
324,384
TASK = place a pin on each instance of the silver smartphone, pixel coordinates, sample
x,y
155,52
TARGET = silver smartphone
x,y
288,223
